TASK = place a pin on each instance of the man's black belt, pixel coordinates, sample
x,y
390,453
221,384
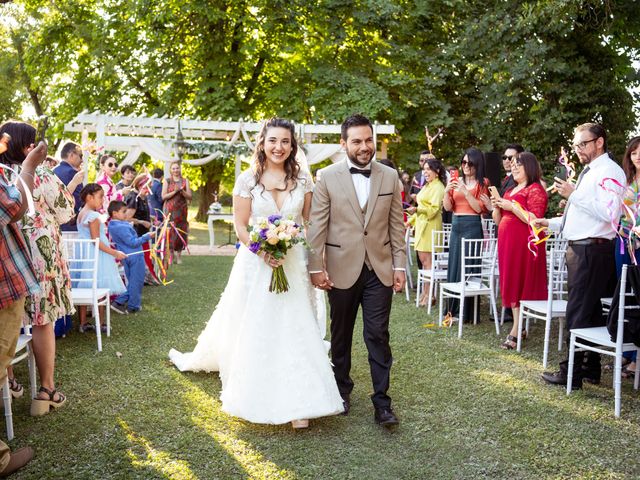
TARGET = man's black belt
x,y
590,241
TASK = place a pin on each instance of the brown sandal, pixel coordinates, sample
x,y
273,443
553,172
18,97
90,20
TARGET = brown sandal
x,y
40,406
511,343
17,390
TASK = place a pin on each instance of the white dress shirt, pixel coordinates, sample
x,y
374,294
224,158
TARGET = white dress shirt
x,y
361,183
591,208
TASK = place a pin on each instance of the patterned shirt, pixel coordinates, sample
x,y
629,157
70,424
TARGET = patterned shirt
x,y
17,276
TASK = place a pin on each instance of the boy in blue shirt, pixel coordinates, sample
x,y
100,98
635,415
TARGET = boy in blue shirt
x,y
127,240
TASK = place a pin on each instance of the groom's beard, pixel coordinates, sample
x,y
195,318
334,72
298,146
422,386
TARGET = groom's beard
x,y
360,162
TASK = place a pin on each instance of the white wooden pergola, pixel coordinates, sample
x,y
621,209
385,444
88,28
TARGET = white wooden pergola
x,y
156,136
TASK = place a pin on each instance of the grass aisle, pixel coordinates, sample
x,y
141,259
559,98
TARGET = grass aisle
x,y
468,409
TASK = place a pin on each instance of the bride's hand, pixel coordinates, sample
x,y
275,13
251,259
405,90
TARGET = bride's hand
x,y
272,261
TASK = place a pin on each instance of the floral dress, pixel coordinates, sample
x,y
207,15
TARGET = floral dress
x,y
177,207
53,207
110,191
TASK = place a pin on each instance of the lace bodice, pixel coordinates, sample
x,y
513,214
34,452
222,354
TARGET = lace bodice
x,y
263,203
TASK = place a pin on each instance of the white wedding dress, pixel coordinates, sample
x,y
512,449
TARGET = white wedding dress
x,y
268,347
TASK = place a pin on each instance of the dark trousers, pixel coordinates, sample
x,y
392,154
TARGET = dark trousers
x,y
591,275
375,299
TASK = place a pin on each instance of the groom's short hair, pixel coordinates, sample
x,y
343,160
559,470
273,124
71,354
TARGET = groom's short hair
x,y
355,120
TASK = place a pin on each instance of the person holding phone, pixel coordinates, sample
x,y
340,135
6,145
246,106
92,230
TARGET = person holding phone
x,y
467,197
523,275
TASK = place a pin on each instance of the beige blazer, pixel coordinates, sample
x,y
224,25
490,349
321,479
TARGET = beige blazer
x,y
341,234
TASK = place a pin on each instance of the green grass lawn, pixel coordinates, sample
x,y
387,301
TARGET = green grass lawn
x,y
468,409
199,231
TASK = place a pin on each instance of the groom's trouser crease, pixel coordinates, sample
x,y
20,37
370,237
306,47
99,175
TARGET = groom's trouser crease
x,y
375,299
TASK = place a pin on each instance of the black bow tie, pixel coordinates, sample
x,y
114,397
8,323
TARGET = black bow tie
x,y
354,170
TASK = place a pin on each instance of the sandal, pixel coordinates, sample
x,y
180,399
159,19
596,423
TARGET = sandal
x,y
511,343
40,406
17,390
628,372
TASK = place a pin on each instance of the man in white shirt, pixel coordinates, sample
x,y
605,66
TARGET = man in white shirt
x,y
588,225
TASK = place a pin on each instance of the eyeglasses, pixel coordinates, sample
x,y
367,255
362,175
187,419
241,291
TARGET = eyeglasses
x,y
467,162
508,157
112,165
581,145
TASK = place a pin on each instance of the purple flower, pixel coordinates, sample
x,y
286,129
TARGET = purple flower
x,y
273,218
263,233
254,247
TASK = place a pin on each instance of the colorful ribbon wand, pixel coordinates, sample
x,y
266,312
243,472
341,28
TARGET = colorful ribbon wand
x,y
534,238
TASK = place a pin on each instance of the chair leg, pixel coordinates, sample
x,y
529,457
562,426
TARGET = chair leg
x,y
475,310
108,309
418,289
460,316
431,281
545,348
495,312
31,362
560,332
440,306
617,383
8,414
572,351
520,320
502,315
96,316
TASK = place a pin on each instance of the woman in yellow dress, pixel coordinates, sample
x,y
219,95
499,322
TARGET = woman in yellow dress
x,y
427,216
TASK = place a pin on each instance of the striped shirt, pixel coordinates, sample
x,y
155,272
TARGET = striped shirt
x,y
17,275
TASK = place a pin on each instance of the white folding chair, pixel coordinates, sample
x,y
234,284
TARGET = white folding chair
x,y
488,228
478,258
600,341
438,271
83,269
555,306
23,350
446,227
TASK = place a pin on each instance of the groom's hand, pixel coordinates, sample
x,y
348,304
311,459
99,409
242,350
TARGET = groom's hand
x,y
321,280
399,279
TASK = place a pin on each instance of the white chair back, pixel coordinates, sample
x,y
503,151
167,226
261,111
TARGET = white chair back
x,y
82,255
488,228
478,260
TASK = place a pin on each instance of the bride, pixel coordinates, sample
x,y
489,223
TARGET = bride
x,y
268,347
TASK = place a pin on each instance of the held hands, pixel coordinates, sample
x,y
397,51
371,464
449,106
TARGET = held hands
x,y
120,255
321,280
502,204
563,188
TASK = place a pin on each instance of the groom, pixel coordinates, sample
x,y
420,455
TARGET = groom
x,y
357,244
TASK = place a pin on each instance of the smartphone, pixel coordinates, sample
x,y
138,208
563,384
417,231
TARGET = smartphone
x,y
454,175
494,193
560,172
41,129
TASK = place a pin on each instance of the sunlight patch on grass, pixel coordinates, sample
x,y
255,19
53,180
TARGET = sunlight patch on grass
x,y
148,456
207,415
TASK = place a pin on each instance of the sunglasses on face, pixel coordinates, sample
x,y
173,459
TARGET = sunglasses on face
x,y
508,157
467,162
111,164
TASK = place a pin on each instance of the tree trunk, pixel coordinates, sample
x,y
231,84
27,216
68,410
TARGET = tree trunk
x,y
211,175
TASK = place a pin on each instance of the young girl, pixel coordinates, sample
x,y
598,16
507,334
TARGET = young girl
x,y
90,226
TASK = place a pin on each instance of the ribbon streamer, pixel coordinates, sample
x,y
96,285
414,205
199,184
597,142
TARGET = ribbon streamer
x,y
615,219
534,238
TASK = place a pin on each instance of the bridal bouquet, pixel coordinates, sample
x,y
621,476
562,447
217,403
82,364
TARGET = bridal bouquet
x,y
275,235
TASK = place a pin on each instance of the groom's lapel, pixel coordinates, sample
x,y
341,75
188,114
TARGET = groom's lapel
x,y
374,190
344,178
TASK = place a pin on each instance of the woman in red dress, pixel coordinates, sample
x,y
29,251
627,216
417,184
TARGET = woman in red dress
x,y
523,275
176,193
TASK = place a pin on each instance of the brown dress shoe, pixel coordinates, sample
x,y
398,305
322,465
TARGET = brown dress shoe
x,y
17,460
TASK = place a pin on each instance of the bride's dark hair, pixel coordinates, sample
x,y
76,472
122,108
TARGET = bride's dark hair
x,y
259,159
